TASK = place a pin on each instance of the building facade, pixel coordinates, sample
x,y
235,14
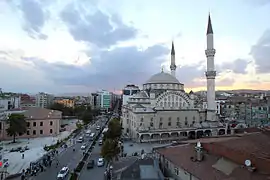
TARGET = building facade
x,y
44,100
162,110
11,102
41,122
67,102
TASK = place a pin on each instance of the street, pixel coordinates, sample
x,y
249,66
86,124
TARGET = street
x,y
96,173
67,158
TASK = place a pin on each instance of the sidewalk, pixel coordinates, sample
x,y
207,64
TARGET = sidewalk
x,y
36,151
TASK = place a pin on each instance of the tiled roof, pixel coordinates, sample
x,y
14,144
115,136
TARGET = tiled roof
x,y
42,113
204,170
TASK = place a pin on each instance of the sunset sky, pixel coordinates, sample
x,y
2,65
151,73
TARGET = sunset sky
x,y
86,45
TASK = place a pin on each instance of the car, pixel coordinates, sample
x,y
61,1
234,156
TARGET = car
x,y
100,162
98,128
80,140
100,142
63,173
90,164
83,147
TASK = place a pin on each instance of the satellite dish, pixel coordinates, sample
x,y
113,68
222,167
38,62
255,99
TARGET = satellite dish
x,y
199,145
248,163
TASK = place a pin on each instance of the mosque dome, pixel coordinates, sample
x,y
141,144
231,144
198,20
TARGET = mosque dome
x,y
162,78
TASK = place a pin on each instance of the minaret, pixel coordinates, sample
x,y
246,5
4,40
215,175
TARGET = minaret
x,y
173,66
210,73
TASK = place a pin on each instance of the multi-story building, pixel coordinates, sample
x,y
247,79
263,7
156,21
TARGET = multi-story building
x,y
9,102
27,101
95,102
44,100
67,102
105,99
40,122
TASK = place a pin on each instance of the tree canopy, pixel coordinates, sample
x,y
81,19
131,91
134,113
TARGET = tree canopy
x,y
110,149
85,113
114,129
17,125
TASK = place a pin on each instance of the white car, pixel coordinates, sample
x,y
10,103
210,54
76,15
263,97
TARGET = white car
x,y
83,147
100,142
98,128
100,162
63,173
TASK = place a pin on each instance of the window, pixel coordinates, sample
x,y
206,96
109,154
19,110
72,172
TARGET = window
x,y
51,131
152,119
151,124
160,119
185,118
141,119
28,124
34,132
51,123
160,124
186,122
34,124
41,132
169,123
28,132
194,118
41,124
140,124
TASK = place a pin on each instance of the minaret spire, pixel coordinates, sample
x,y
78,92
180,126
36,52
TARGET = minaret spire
x,y
209,26
173,66
172,50
210,73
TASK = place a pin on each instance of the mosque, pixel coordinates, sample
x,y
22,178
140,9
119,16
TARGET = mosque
x,y
162,110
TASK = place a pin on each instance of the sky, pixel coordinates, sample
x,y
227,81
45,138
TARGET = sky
x,y
70,46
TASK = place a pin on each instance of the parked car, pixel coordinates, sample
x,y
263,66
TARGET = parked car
x,y
100,162
90,164
63,173
98,128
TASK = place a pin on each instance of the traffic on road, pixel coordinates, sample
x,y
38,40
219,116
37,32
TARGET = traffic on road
x,y
64,163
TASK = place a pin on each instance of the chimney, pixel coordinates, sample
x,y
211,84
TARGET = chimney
x,y
199,151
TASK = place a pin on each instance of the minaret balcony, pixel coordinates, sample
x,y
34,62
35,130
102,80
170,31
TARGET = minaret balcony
x,y
173,67
210,74
210,52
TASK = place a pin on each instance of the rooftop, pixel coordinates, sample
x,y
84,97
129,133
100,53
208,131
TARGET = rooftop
x,y
212,167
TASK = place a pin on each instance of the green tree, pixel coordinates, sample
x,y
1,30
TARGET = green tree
x,y
17,125
87,117
114,129
110,149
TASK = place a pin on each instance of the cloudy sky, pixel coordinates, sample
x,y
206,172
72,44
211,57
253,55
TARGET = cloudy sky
x,y
85,45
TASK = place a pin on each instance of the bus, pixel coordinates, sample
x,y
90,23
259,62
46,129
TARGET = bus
x,y
92,136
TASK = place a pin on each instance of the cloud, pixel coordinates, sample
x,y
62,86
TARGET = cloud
x,y
112,69
34,15
225,82
97,28
261,53
259,2
238,66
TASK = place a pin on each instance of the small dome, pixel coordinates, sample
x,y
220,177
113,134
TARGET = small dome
x,y
164,78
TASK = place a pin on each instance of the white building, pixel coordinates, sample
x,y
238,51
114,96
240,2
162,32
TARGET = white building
x,y
44,100
162,110
11,102
128,92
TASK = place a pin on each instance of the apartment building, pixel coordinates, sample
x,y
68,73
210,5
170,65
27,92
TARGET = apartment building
x,y
9,102
67,102
44,100
41,122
